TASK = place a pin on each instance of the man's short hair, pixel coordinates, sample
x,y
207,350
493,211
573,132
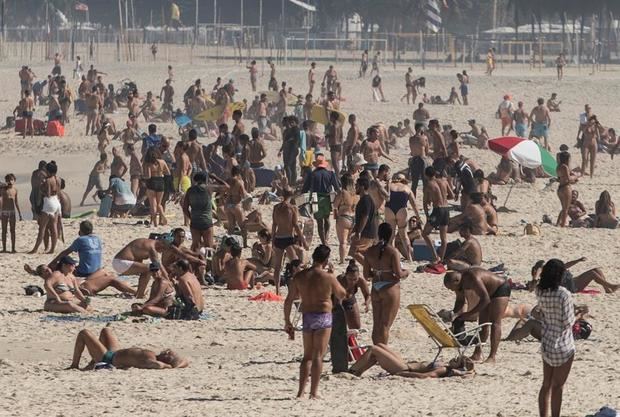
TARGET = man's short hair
x,y
321,253
430,171
152,128
384,167
86,227
540,101
200,178
364,183
193,134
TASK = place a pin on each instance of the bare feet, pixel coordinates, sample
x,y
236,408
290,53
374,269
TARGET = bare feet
x,y
490,360
611,288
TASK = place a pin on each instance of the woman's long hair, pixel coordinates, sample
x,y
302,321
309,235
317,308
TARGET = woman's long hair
x,y
551,275
385,234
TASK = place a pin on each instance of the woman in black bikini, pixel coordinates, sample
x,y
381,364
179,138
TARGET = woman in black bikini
x,y
344,213
394,364
396,210
382,264
351,280
564,190
154,170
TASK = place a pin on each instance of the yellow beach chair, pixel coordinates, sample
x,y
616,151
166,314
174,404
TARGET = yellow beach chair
x,y
442,335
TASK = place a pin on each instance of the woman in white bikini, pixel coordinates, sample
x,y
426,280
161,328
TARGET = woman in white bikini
x,y
382,264
344,213
51,211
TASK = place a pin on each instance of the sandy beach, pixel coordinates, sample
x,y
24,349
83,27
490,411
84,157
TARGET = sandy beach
x,y
242,363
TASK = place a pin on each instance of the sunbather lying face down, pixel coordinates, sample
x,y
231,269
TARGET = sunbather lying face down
x,y
393,363
106,349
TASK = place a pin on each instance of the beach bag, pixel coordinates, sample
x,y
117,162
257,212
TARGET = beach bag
x,y
55,128
582,330
531,229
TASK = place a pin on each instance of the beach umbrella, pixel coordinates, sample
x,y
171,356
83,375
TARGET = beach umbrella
x,y
525,152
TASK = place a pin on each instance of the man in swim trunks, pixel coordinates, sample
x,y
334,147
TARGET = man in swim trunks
x,y
323,182
541,122
105,352
315,286
494,295
372,150
286,233
419,149
26,107
521,120
435,195
364,232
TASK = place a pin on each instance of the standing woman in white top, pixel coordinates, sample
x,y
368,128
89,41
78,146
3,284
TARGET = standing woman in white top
x,y
557,344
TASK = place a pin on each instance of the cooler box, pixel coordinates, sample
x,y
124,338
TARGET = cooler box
x,y
55,128
38,125
264,176
421,252
105,206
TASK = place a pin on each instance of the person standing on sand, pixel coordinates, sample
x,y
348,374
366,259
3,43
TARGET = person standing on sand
x,y
311,78
253,72
540,119
505,110
522,120
382,266
560,63
286,233
364,64
26,107
439,218
315,286
557,343
564,192
590,139
10,204
494,296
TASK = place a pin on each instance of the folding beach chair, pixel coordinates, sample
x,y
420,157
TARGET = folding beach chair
x,y
442,335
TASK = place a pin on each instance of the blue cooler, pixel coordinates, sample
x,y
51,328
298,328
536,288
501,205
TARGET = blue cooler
x,y
421,252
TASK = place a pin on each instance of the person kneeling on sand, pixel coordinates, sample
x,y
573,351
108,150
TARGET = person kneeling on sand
x,y
106,350
239,274
394,364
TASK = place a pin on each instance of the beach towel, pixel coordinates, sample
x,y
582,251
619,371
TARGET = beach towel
x,y
436,269
590,291
266,296
77,318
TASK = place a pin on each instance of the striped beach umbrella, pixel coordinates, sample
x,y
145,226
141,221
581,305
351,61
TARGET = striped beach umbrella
x,y
525,152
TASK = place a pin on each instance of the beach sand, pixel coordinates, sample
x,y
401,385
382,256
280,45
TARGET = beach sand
x,y
242,363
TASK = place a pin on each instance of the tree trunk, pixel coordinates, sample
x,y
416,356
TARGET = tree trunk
x,y
580,40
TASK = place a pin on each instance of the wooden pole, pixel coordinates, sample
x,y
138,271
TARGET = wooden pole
x,y
196,28
260,36
120,20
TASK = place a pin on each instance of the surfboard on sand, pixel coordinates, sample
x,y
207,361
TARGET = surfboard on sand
x,y
85,214
214,113
274,97
319,115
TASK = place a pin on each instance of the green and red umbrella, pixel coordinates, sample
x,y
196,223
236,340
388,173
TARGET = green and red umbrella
x,y
525,152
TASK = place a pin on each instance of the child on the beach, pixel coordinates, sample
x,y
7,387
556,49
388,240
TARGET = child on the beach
x,y
9,206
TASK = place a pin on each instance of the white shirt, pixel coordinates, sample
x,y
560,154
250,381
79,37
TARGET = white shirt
x,y
557,343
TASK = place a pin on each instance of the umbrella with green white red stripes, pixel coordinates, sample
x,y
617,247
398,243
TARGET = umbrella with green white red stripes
x,y
525,152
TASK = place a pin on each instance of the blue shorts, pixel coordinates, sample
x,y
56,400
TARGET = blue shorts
x,y
520,129
539,130
316,321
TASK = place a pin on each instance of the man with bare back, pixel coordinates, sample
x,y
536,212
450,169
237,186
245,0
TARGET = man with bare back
x,y
26,107
435,195
286,233
235,195
372,150
195,154
167,96
540,119
330,78
334,137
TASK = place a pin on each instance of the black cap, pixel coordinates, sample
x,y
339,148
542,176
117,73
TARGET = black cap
x,y
67,260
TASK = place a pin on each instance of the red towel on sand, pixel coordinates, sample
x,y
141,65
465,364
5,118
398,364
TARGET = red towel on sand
x,y
435,269
591,291
266,296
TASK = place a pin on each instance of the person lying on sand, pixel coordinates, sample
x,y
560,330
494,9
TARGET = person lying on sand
x,y
532,324
107,350
63,292
578,283
394,364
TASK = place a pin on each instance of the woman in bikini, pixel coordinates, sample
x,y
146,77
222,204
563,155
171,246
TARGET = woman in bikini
x,y
262,252
344,213
10,205
380,354
564,190
351,281
382,264
396,211
605,211
50,213
63,292
154,170
577,212
161,297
